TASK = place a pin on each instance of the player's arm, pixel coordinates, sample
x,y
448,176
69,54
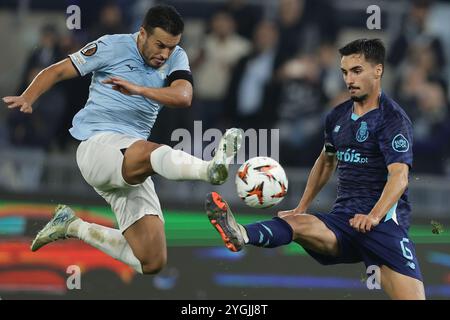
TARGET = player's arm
x,y
393,190
46,79
320,174
177,95
395,140
177,92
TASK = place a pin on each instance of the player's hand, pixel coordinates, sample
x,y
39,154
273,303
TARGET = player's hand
x,y
18,102
364,222
124,86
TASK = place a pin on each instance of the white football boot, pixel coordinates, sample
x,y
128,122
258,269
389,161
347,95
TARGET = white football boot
x,y
224,154
56,228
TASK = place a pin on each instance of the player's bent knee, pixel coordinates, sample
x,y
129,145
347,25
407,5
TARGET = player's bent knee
x,y
300,224
310,232
141,149
136,164
154,266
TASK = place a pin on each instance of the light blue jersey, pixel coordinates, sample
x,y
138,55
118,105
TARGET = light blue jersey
x,y
109,110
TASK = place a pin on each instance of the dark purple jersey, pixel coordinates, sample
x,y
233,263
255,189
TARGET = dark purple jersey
x,y
364,147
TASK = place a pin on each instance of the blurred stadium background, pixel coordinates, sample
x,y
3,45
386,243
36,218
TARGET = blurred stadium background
x,y
259,64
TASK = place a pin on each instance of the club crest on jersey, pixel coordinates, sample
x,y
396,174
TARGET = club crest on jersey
x,y
89,49
400,143
362,133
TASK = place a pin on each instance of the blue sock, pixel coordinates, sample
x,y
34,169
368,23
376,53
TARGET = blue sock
x,y
269,234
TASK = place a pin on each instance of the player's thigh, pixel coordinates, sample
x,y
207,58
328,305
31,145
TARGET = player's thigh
x,y
100,160
401,287
140,219
136,165
312,233
147,239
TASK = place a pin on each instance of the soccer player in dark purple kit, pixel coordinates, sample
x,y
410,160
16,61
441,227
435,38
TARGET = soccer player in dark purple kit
x,y
369,139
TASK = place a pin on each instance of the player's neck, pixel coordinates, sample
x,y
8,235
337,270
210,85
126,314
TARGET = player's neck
x,y
139,45
372,102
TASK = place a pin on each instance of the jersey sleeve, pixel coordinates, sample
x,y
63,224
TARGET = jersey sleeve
x,y
179,68
395,140
329,147
92,57
179,62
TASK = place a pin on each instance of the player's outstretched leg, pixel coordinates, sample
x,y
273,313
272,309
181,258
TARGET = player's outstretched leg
x,y
65,224
269,234
222,219
178,165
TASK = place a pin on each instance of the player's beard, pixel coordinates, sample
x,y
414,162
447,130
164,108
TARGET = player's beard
x,y
359,98
146,53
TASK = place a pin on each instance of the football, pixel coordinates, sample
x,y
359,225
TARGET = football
x,y
261,182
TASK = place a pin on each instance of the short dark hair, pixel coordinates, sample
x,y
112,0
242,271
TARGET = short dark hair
x,y
165,17
372,49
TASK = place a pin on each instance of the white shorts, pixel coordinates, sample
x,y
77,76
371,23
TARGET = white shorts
x,y
100,161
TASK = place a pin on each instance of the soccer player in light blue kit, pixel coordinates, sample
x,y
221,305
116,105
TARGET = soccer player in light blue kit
x,y
134,75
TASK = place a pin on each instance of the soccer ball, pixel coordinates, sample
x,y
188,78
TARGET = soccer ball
x,y
261,182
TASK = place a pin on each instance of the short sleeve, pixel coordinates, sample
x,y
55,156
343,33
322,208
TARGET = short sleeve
x,y
92,57
395,139
180,62
179,67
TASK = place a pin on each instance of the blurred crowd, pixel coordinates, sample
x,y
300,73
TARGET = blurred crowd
x,y
256,70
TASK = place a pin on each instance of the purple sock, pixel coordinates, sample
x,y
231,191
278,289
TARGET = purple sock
x,y
270,233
